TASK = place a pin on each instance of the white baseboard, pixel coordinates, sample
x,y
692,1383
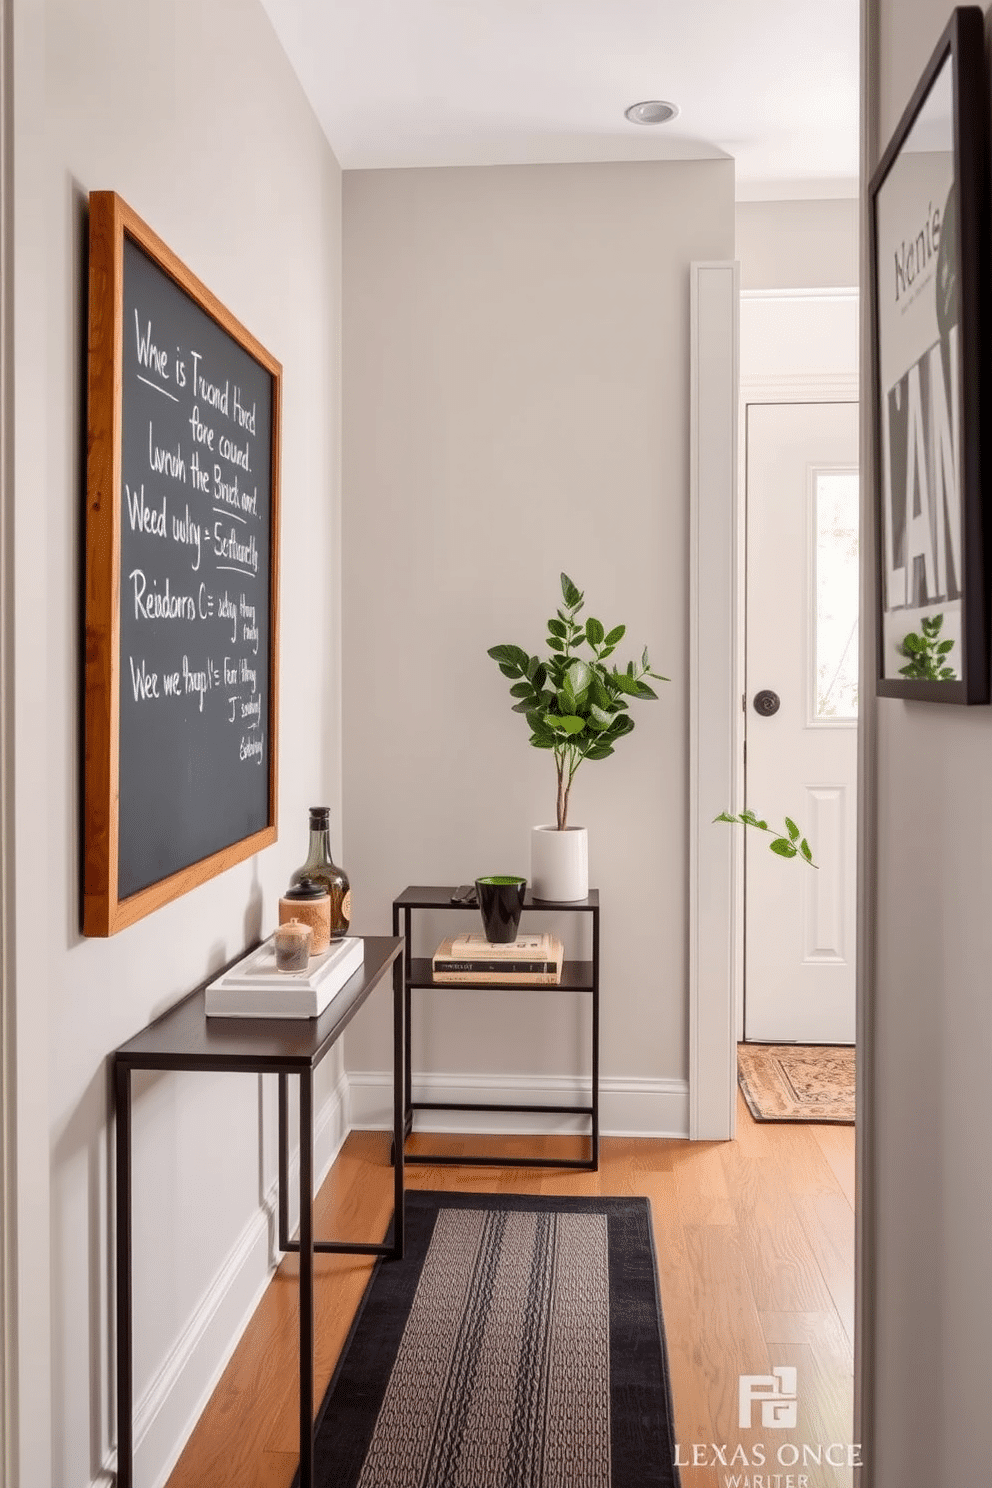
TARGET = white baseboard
x,y
627,1107
169,1409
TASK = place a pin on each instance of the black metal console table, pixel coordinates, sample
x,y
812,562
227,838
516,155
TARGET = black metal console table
x,y
184,1038
577,976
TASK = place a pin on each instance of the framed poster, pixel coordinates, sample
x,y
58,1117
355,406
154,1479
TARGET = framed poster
x,y
928,225
182,549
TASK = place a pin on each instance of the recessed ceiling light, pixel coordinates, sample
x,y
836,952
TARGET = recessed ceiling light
x,y
654,111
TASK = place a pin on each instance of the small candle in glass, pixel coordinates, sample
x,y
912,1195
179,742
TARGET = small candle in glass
x,y
292,946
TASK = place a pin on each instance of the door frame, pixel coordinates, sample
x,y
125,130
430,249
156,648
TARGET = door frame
x,y
755,391
715,883
718,400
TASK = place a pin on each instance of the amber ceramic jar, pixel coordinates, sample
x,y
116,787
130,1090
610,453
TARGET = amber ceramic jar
x,y
310,902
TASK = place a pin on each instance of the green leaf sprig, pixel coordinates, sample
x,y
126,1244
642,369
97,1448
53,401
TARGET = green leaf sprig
x,y
788,844
574,706
927,654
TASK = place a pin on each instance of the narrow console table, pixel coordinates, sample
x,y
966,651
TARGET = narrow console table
x,y
184,1038
576,976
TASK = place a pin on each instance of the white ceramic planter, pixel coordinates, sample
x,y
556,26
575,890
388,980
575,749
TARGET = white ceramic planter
x,y
559,863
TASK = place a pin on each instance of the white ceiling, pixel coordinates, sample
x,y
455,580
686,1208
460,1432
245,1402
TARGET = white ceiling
x,y
772,83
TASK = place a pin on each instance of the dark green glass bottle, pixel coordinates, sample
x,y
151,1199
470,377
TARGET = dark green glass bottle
x,y
322,867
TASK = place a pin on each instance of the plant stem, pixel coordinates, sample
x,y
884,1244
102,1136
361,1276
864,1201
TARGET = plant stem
x,y
568,759
564,782
772,832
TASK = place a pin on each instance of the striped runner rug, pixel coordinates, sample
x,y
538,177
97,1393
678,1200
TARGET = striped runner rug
x,y
518,1344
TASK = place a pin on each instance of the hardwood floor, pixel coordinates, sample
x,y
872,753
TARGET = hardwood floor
x,y
755,1244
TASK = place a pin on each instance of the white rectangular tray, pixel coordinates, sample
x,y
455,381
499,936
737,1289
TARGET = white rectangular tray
x,y
253,988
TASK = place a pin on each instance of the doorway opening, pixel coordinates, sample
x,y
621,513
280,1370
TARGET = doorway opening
x,y
794,348
799,494
800,464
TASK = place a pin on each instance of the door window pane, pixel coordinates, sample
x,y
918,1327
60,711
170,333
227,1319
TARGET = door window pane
x,y
836,627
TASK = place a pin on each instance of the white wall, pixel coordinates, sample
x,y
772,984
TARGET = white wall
x,y
798,244
933,1025
798,337
516,403
192,114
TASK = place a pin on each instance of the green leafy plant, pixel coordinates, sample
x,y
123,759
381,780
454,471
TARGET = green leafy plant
x,y
788,844
927,653
578,707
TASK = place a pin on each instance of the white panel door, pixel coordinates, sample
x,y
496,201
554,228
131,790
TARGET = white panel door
x,y
801,760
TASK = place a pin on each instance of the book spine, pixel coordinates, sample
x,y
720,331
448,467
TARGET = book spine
x,y
531,968
497,978
532,950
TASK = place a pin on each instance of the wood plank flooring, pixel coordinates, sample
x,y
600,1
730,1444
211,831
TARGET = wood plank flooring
x,y
755,1244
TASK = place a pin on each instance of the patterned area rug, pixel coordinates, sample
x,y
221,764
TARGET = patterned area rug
x,y
518,1344
798,1082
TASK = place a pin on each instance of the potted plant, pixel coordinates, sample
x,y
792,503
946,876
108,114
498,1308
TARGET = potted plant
x,y
578,707
929,656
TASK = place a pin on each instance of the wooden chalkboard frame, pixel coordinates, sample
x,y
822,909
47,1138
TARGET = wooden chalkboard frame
x,y
104,913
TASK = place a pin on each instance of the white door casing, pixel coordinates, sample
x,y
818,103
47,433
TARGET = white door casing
x,y
801,642
715,680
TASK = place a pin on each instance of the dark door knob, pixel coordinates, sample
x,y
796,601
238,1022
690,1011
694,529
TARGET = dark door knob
x,y
766,702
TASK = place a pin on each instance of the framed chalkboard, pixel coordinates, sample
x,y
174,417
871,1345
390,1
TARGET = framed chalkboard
x,y
182,547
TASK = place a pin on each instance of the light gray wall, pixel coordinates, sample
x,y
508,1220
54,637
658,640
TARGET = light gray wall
x,y
192,114
516,403
798,244
933,1026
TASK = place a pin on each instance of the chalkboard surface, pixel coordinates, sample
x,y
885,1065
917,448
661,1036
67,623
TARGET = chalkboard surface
x,y
189,494
194,641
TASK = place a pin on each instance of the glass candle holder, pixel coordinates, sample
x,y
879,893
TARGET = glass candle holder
x,y
292,946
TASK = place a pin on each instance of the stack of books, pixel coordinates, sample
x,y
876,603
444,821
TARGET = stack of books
x,y
472,958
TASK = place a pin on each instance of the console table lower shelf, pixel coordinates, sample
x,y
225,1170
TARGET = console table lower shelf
x,y
184,1038
577,977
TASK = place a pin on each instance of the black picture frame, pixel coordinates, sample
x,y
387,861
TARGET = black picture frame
x,y
929,270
